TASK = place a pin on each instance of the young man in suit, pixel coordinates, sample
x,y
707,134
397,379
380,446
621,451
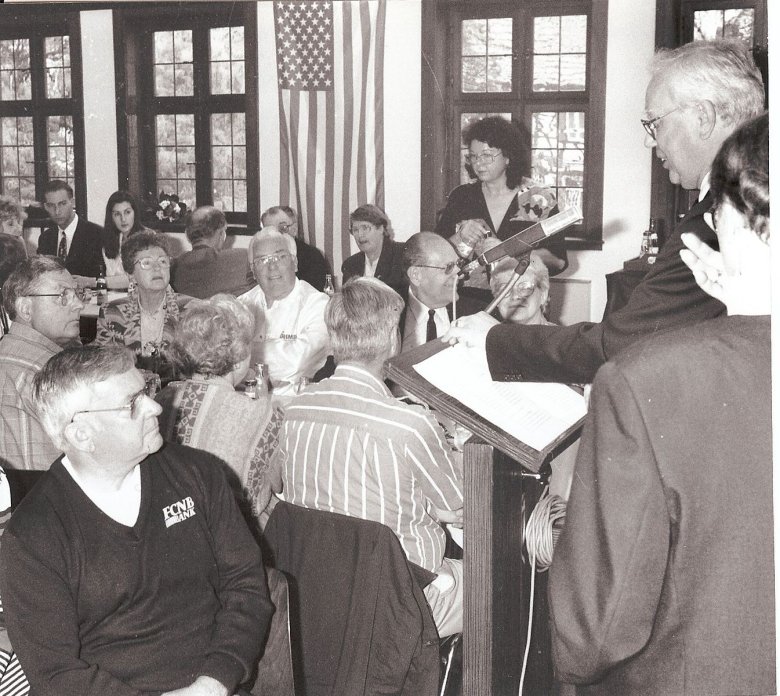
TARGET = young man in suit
x,y
76,241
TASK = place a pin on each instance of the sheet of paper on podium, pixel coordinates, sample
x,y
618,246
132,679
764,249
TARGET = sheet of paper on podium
x,y
526,420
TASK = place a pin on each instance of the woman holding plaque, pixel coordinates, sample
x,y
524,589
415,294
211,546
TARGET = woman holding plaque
x,y
501,196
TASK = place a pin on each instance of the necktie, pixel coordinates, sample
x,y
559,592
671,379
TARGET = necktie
x,y
62,249
430,329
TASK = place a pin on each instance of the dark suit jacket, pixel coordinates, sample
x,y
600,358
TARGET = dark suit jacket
x,y
204,272
467,305
663,578
667,298
389,268
364,625
312,265
85,255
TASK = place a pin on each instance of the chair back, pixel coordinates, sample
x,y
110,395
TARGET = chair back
x,y
360,621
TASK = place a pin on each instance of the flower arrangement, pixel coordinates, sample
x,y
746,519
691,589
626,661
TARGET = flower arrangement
x,y
169,207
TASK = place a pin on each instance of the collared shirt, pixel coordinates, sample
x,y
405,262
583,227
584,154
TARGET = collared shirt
x,y
704,187
416,324
291,336
69,231
23,442
369,269
348,446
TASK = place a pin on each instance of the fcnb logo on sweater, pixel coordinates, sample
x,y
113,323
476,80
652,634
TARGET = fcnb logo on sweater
x,y
176,512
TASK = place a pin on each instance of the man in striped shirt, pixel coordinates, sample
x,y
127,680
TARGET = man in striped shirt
x,y
348,446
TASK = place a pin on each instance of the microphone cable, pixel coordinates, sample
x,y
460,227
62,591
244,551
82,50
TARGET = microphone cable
x,y
541,534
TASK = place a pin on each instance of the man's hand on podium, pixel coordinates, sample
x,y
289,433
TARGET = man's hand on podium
x,y
471,331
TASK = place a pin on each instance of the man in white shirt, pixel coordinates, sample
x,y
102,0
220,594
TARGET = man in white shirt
x,y
76,241
290,334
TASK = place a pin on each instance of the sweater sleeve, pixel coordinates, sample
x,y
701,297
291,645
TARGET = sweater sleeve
x,y
609,564
34,583
241,624
455,210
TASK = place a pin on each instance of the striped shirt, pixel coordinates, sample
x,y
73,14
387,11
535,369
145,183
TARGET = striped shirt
x,y
23,442
348,446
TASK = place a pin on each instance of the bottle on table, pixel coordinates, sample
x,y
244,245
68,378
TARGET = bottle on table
x,y
263,383
329,289
649,249
101,285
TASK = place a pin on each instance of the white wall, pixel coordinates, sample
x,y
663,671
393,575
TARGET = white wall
x,y
627,163
97,53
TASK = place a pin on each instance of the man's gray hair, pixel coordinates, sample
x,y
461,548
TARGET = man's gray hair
x,y
270,232
275,209
361,318
26,279
57,385
720,71
204,223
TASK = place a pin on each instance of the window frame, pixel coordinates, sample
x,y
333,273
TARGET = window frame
x,y
133,40
521,101
35,24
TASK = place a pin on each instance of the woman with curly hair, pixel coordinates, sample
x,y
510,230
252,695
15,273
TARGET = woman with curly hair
x,y
501,194
211,349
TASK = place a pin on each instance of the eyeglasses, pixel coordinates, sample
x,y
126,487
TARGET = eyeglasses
x,y
449,268
284,226
272,258
149,262
651,124
132,407
361,227
482,158
67,295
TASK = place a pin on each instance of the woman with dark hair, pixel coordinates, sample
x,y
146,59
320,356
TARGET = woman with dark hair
x,y
123,218
501,194
379,255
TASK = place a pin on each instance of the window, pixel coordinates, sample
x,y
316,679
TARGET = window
x,y
41,126
543,67
192,108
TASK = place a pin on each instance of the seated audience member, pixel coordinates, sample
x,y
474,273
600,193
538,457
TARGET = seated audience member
x,y
44,302
663,579
529,298
312,264
290,333
211,350
370,455
379,256
209,269
76,241
12,253
698,95
12,217
128,568
146,319
431,265
123,218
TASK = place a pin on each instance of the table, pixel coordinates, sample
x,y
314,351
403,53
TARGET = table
x,y
89,315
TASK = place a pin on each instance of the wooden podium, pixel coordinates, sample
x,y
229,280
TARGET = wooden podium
x,y
503,479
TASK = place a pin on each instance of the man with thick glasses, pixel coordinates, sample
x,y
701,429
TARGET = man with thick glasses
x,y
698,95
128,569
312,264
431,263
290,332
44,303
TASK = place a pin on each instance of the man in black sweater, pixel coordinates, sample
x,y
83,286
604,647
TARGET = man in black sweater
x,y
128,570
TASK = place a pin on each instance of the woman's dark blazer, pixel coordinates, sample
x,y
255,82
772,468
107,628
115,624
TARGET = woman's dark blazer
x,y
389,268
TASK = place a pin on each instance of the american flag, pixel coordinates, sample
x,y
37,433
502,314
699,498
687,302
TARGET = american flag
x,y
330,65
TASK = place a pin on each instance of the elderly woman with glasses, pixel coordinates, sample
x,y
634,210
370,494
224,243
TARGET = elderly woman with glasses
x,y
211,350
379,256
146,320
502,201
